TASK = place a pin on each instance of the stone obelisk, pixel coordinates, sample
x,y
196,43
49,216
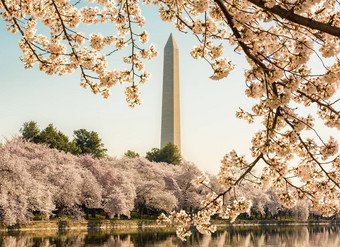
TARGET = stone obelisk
x,y
171,131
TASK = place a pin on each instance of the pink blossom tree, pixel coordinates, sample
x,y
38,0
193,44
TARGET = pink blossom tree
x,y
70,184
191,195
36,178
20,193
118,193
301,210
155,190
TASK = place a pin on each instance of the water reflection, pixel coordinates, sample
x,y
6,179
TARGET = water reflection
x,y
302,236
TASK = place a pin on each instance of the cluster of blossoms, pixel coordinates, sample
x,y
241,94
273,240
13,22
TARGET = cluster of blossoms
x,y
282,81
132,96
202,179
239,206
287,199
212,205
68,49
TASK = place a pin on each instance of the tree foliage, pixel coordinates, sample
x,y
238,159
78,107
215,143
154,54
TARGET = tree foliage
x,y
279,38
169,154
89,143
55,139
131,154
84,142
30,130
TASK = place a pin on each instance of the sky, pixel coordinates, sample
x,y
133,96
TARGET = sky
x,y
209,128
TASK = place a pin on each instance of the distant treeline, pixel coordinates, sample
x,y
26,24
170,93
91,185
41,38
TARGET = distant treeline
x,y
40,181
88,142
84,141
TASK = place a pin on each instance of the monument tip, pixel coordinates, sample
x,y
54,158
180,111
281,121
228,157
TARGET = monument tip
x,y
171,43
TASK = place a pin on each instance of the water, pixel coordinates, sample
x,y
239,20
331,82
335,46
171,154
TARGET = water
x,y
287,236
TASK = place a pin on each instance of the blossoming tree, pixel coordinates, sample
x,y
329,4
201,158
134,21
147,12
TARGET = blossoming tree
x,y
278,39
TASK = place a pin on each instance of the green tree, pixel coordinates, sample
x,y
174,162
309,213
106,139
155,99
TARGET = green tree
x,y
30,131
56,139
154,155
169,154
131,154
89,142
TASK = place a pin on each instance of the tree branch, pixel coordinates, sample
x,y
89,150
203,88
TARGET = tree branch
x,y
239,180
237,34
298,19
72,48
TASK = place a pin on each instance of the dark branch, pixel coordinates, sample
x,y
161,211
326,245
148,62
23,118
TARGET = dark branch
x,y
298,19
237,34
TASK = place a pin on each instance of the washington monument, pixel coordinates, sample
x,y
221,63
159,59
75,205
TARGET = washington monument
x,y
171,131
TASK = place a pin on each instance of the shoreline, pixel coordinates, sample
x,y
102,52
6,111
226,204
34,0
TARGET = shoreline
x,y
134,226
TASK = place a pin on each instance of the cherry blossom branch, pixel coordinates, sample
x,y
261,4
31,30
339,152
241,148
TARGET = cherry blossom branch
x,y
22,32
72,48
249,169
328,106
237,34
132,43
308,125
312,156
291,16
287,180
319,164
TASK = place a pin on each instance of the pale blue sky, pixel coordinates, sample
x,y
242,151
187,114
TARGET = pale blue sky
x,y
209,128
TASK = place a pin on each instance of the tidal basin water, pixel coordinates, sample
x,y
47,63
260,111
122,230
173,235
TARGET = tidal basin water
x,y
288,236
